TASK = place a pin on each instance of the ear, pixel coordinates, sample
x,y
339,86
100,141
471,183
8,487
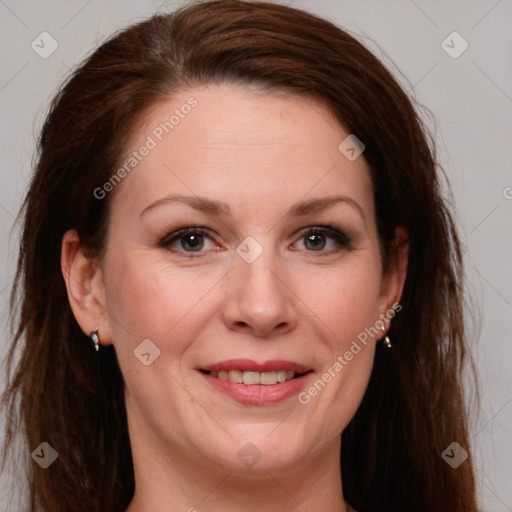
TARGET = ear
x,y
85,287
393,279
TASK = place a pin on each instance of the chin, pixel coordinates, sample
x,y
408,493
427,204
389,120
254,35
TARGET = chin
x,y
263,451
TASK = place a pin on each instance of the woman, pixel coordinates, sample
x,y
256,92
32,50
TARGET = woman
x,y
240,287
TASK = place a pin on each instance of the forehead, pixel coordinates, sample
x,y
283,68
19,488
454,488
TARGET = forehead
x,y
237,144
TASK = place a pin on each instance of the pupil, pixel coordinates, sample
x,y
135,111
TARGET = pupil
x,y
316,241
193,241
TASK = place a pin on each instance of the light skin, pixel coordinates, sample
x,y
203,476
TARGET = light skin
x,y
303,299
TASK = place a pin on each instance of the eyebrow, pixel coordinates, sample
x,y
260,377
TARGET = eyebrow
x,y
220,209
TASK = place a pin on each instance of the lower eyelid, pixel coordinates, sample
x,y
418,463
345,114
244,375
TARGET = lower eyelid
x,y
341,240
339,237
177,240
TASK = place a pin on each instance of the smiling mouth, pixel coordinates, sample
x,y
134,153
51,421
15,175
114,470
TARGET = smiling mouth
x,y
255,378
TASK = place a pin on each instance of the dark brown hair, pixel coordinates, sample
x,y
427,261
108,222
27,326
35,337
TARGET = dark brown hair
x,y
62,392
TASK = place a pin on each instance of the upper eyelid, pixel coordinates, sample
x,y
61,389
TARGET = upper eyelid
x,y
207,231
180,233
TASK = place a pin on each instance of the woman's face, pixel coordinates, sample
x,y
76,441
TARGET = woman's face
x,y
246,341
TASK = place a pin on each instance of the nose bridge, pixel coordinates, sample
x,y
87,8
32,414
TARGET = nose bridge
x,y
258,278
258,299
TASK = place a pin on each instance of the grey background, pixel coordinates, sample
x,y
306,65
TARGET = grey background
x,y
470,97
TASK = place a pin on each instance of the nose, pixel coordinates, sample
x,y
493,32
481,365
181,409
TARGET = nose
x,y
259,301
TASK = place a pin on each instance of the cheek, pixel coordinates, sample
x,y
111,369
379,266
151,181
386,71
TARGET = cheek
x,y
147,298
345,302
344,299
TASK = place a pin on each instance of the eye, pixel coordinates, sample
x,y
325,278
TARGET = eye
x,y
188,240
324,240
318,239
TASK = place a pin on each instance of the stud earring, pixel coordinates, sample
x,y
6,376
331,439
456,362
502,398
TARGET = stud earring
x,y
95,339
386,340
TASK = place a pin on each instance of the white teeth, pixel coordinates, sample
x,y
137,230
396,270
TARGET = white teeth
x,y
251,378
236,376
268,378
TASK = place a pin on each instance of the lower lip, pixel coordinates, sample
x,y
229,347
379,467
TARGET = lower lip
x,y
257,394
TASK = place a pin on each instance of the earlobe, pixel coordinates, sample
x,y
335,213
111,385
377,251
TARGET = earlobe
x,y
85,287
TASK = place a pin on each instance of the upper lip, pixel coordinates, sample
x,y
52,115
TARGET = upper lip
x,y
247,365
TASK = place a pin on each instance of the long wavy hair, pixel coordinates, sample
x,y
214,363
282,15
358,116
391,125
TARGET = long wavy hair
x,y
59,390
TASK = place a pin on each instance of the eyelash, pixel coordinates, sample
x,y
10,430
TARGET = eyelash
x,y
342,241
